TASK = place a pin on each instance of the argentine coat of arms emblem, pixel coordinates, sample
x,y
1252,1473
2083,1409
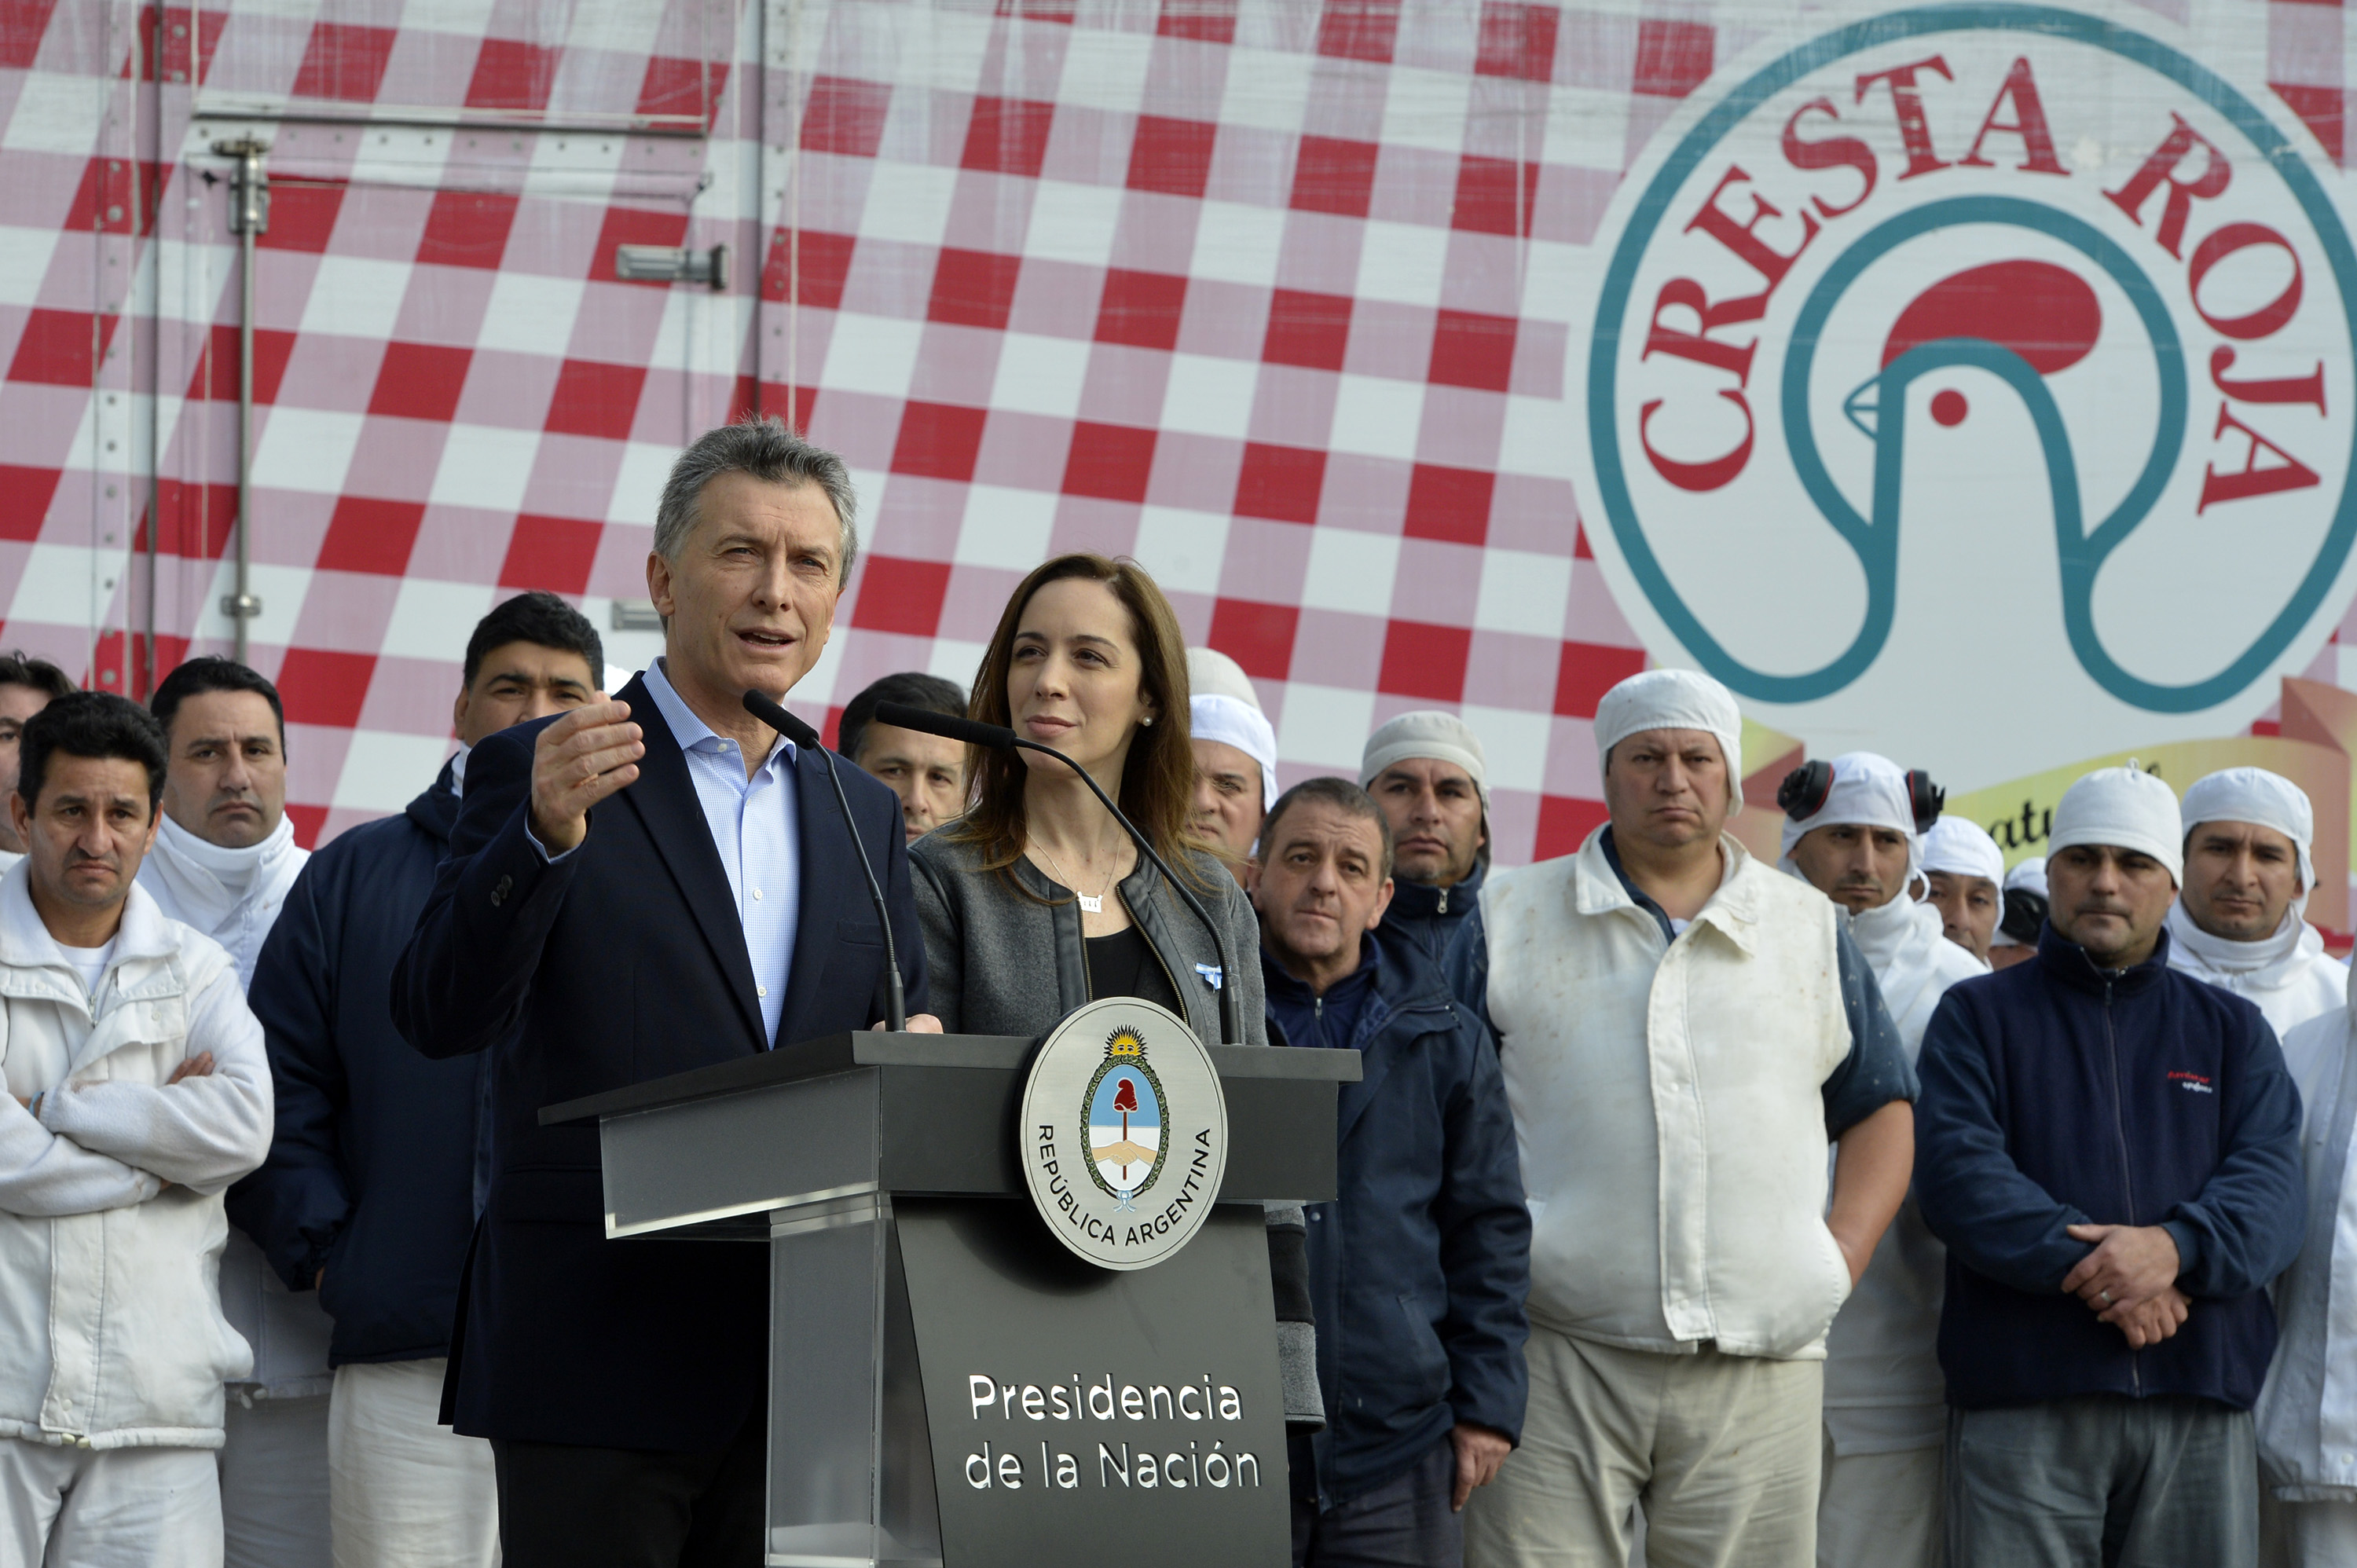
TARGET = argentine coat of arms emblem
x,y
1124,1136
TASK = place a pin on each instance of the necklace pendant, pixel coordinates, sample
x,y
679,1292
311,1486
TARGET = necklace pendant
x,y
1091,906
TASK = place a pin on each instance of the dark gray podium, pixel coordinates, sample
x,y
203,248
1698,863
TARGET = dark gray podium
x,y
947,1384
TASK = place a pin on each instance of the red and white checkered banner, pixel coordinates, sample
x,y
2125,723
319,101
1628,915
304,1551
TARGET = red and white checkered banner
x,y
1278,297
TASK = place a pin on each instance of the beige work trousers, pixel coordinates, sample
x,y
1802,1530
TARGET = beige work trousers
x,y
1881,1511
405,1490
1721,1452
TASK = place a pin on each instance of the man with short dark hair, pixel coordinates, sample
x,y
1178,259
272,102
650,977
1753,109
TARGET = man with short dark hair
x,y
224,860
372,1189
136,1091
26,686
636,888
2110,1150
926,771
2240,922
1418,1269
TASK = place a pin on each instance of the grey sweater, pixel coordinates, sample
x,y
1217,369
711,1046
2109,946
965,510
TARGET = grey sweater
x,y
985,946
985,943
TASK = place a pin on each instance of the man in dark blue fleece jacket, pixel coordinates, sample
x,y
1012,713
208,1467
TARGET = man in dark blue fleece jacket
x,y
1419,1268
374,1182
1426,771
2110,1150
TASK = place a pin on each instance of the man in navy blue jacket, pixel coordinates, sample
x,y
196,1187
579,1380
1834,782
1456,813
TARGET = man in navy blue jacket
x,y
371,1188
2110,1150
1419,1268
635,889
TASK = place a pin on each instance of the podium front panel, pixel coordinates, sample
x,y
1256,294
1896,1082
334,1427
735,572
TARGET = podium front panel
x,y
1079,1414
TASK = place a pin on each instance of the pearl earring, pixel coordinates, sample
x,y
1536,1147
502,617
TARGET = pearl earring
x,y
1148,720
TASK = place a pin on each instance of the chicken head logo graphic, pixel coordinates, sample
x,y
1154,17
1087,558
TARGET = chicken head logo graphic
x,y
1975,381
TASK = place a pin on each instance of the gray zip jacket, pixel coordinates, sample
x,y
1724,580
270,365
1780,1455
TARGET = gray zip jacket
x,y
983,943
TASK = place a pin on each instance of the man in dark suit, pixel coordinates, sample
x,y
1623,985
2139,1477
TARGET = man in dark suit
x,y
636,888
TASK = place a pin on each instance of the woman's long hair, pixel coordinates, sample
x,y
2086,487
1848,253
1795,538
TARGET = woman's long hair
x,y
1158,779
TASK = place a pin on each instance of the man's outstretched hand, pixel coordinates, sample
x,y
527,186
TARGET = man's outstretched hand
x,y
578,761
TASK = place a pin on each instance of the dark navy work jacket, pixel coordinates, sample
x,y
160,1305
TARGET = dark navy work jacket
x,y
2056,1093
1419,1268
621,963
371,1173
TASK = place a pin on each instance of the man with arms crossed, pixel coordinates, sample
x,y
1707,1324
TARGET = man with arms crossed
x,y
1853,834
2241,920
370,1191
638,887
225,859
136,1091
26,686
2110,1150
1418,1269
1683,1031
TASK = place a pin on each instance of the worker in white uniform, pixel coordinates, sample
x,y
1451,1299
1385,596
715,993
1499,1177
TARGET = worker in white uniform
x,y
2240,920
2308,1412
1854,829
2024,915
1967,873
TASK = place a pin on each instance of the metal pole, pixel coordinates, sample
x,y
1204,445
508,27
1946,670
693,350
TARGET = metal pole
x,y
249,218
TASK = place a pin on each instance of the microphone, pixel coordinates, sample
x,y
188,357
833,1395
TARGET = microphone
x,y
802,735
998,737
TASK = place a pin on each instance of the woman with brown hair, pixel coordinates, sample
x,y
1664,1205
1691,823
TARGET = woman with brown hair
x,y
1037,876
1036,902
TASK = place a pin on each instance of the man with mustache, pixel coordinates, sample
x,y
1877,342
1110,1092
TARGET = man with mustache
x,y
2240,922
225,858
1854,829
1425,769
137,1090
1682,1031
2110,1150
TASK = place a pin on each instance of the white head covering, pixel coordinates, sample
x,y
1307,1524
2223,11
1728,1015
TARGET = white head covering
x,y
1963,849
1210,672
2029,876
1233,722
2126,808
1867,792
1674,699
1427,732
2268,799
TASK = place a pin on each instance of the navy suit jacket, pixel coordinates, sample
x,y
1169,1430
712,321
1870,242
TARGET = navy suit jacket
x,y
622,961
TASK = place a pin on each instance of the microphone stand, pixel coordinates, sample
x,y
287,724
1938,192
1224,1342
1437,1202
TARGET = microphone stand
x,y
999,738
802,735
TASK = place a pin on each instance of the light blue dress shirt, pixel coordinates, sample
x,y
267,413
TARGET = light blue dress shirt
x,y
756,826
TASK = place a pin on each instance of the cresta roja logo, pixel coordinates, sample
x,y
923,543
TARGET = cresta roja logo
x,y
1978,378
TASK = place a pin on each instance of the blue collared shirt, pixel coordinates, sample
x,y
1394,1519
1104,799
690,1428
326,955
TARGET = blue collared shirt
x,y
756,826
